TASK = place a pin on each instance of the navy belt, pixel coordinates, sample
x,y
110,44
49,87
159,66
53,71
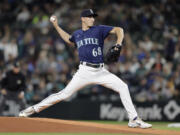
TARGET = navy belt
x,y
92,64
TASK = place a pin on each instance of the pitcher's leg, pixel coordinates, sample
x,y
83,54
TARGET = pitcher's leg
x,y
111,81
74,85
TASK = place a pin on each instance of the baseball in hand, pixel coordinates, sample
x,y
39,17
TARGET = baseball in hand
x,y
52,18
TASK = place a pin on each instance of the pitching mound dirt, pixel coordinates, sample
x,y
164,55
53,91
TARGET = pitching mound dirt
x,y
45,125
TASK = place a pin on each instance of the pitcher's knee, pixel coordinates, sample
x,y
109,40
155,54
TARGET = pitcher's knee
x,y
122,87
125,86
64,95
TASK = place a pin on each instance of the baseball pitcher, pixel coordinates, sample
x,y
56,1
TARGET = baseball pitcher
x,y
89,42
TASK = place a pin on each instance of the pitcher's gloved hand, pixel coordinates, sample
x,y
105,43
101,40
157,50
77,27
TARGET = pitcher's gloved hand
x,y
113,54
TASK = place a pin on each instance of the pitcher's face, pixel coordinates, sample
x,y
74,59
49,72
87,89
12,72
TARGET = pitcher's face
x,y
88,21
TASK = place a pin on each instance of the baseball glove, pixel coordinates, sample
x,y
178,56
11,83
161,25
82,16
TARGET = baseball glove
x,y
113,54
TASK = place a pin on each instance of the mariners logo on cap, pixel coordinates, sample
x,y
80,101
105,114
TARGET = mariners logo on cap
x,y
91,11
88,13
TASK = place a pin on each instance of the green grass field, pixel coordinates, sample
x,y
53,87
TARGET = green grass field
x,y
156,125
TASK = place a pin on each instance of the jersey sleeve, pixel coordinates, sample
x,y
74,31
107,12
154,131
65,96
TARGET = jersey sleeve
x,y
72,38
105,30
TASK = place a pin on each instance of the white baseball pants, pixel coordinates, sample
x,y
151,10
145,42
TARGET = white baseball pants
x,y
87,75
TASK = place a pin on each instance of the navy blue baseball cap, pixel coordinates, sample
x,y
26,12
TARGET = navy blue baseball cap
x,y
88,13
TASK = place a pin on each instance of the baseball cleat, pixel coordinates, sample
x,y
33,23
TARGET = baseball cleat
x,y
138,123
27,112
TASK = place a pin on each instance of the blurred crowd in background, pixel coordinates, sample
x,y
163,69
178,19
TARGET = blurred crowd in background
x,y
149,62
